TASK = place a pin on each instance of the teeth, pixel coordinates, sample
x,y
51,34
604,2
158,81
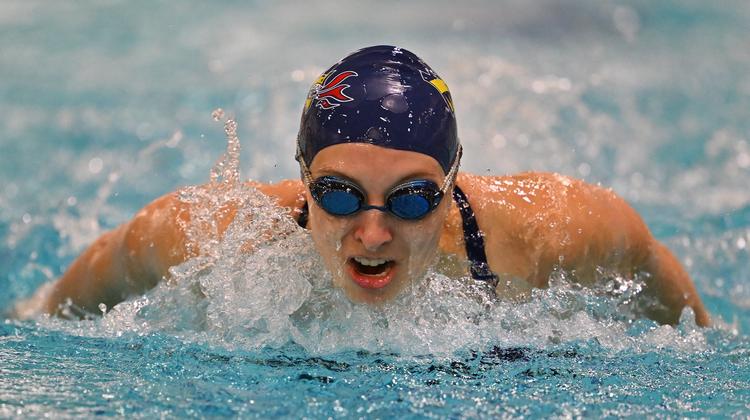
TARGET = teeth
x,y
370,262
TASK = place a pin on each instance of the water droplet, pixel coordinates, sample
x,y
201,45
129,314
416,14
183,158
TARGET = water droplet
x,y
217,114
227,169
230,128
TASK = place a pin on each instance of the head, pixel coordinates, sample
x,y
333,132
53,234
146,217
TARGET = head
x,y
379,154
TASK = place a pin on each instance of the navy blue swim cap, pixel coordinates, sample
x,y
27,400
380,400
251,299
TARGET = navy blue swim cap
x,y
381,95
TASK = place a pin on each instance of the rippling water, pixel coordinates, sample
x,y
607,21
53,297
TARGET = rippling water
x,y
107,105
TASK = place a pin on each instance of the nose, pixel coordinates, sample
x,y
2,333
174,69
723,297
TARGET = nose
x,y
373,230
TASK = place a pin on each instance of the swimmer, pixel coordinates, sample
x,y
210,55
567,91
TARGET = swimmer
x,y
383,200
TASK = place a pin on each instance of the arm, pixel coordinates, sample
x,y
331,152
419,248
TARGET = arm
x,y
135,256
128,260
671,285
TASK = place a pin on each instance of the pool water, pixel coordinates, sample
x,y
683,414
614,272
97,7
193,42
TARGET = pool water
x,y
107,105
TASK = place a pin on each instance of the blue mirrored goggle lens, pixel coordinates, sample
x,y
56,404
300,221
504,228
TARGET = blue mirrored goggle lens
x,y
410,206
339,202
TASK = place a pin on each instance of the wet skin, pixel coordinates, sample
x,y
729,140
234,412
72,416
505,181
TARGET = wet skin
x,y
533,223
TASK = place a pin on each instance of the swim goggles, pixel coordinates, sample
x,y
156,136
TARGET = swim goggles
x,y
412,200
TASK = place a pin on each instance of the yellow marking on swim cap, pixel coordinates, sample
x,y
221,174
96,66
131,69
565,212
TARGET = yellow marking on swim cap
x,y
441,86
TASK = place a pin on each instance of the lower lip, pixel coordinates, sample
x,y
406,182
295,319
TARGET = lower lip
x,y
371,282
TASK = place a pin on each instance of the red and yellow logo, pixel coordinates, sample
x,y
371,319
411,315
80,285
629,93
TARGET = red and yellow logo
x,y
328,90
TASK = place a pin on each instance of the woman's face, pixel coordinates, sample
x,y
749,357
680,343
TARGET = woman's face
x,y
374,255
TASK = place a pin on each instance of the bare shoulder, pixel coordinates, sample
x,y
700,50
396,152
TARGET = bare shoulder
x,y
157,238
288,193
166,216
546,219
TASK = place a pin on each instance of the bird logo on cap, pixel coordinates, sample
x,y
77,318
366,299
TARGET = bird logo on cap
x,y
328,90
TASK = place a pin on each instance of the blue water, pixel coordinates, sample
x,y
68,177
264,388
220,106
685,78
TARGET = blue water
x,y
106,105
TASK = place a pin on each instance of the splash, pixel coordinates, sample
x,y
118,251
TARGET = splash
x,y
227,169
280,294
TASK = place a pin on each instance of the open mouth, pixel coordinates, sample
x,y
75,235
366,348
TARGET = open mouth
x,y
371,273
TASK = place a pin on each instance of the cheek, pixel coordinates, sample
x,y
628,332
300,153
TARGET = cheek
x,y
424,238
425,241
327,233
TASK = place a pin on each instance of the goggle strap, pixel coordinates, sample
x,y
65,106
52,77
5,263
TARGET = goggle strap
x,y
305,170
451,176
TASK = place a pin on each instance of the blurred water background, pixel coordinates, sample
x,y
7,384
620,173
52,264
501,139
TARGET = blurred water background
x,y
106,105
